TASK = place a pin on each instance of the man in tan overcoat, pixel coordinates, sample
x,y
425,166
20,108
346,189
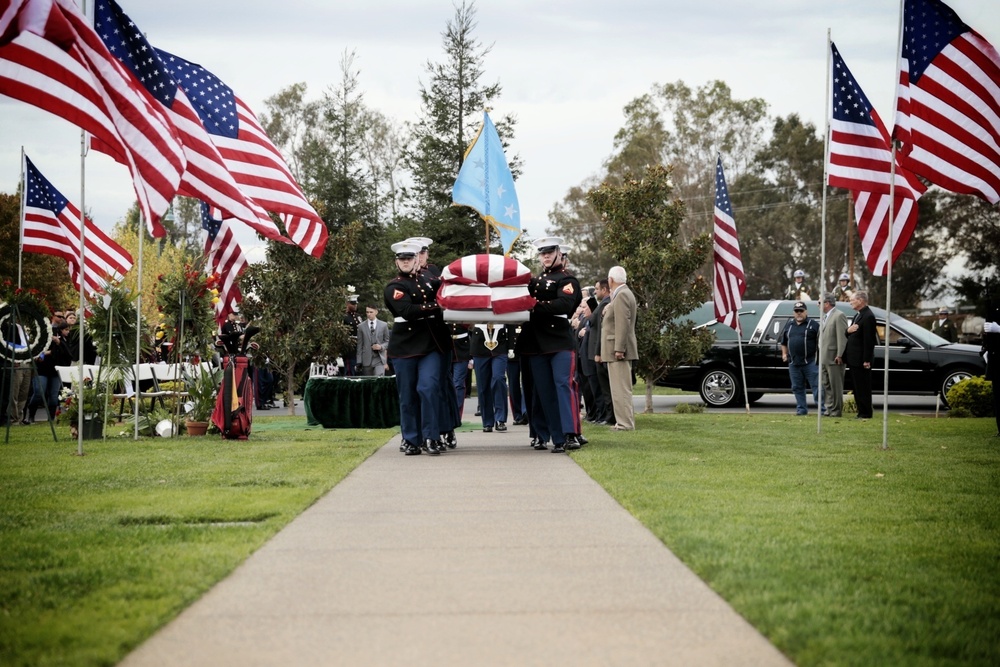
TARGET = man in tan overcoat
x,y
619,348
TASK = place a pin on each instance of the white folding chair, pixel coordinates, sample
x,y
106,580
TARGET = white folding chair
x,y
172,373
144,374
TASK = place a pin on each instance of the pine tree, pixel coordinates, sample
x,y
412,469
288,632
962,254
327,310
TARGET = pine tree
x,y
453,101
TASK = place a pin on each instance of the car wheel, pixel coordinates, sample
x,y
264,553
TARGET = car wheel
x,y
951,378
719,388
754,396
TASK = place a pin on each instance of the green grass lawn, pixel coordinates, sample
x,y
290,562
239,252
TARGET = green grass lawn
x,y
840,552
97,552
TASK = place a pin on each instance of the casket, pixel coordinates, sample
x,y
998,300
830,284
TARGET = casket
x,y
486,288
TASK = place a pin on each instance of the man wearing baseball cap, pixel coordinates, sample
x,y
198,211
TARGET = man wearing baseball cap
x,y
799,349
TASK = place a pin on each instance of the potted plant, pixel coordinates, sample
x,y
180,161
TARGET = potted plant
x,y
94,409
202,387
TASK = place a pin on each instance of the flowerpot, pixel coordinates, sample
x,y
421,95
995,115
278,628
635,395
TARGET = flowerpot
x,y
93,429
196,428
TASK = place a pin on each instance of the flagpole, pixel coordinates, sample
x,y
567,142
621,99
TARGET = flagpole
x,y
20,222
888,300
892,226
821,401
82,281
743,368
138,326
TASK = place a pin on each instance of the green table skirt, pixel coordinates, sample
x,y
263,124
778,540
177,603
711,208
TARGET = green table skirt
x,y
369,402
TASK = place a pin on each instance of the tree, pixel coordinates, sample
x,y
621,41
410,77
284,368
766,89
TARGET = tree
x,y
297,300
643,235
45,273
686,129
157,259
575,219
677,126
777,203
290,122
453,101
973,232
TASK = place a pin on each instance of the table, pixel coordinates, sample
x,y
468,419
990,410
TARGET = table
x,y
356,402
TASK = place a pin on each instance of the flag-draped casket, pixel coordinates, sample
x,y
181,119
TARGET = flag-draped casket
x,y
485,288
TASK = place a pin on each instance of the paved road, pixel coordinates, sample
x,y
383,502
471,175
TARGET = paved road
x,y
491,554
769,403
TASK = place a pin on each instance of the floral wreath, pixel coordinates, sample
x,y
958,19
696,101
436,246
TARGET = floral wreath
x,y
28,308
37,331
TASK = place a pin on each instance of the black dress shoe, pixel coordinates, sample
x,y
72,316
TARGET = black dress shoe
x,y
582,440
410,449
521,421
539,445
500,427
432,447
479,412
572,443
558,449
449,440
487,429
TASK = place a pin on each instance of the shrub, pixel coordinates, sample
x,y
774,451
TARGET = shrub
x,y
689,408
850,405
973,396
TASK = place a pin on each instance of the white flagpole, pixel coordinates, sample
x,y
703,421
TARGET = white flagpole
x,y
743,368
822,256
891,230
83,281
20,222
138,326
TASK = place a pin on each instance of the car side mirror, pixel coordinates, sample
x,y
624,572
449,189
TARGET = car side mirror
x,y
905,343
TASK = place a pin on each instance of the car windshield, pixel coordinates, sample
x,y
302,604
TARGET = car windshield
x,y
918,334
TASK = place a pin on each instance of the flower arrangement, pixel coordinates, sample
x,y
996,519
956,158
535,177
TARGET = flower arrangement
x,y
28,308
94,402
186,301
113,325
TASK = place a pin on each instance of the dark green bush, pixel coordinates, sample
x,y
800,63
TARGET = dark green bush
x,y
972,397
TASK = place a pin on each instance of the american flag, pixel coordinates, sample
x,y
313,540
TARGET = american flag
x,y
206,177
254,161
51,226
861,161
51,58
224,258
730,282
948,104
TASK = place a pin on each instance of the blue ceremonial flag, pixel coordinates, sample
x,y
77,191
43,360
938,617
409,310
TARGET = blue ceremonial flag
x,y
485,183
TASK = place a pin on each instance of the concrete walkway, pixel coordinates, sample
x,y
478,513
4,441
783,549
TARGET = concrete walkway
x,y
490,554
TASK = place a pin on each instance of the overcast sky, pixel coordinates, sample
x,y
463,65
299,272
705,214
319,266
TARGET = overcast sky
x,y
567,68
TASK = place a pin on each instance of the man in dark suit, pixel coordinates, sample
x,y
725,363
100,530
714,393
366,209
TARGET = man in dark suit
x,y
373,341
351,320
860,352
603,295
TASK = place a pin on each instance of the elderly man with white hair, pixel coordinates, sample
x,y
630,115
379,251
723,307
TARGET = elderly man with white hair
x,y
619,347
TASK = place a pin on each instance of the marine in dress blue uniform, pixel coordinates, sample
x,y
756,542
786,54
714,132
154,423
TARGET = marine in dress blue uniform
x,y
548,343
416,346
489,352
450,412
